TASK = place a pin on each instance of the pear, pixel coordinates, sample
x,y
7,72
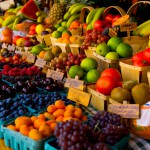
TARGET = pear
x,y
48,56
141,93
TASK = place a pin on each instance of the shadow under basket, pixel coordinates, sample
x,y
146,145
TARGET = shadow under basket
x,y
130,72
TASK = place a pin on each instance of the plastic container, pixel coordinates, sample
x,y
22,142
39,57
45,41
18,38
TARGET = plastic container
x,y
17,141
51,145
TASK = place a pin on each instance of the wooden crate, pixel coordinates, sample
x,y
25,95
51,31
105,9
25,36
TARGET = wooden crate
x,y
53,40
44,39
130,72
98,100
64,47
75,48
105,63
148,76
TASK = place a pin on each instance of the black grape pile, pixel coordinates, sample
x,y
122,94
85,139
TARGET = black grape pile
x,y
109,125
73,135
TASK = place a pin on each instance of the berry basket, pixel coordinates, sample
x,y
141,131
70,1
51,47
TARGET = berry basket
x,y
44,39
17,141
53,40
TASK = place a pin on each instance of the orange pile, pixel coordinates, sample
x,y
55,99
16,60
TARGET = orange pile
x,y
43,125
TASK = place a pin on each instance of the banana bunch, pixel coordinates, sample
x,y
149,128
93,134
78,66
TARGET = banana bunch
x,y
41,15
143,29
93,16
14,10
73,13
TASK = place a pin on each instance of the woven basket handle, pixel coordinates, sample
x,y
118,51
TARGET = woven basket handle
x,y
130,10
120,10
82,13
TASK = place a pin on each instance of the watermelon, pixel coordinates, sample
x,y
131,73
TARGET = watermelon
x,y
29,10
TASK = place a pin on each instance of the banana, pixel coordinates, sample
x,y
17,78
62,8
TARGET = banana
x,y
17,9
39,13
72,18
91,15
17,20
41,18
77,9
10,19
145,31
10,10
10,26
143,24
98,14
67,16
89,26
72,6
1,20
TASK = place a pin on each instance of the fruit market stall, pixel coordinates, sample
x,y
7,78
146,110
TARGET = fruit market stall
x,y
77,75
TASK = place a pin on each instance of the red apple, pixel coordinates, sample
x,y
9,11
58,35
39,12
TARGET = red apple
x,y
15,38
26,38
109,18
32,27
98,24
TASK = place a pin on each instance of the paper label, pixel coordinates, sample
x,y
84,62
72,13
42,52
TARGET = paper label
x,y
78,84
111,32
11,48
30,58
125,110
4,45
79,97
18,52
55,74
128,26
40,62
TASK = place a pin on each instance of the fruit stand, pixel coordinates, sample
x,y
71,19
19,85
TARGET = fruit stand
x,y
75,75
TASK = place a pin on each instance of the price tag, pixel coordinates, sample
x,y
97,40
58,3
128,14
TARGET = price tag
x,y
18,52
40,62
111,32
4,45
78,84
55,74
128,26
79,97
11,48
30,58
19,48
125,110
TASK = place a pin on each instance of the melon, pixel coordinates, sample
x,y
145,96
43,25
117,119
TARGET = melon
x,y
30,9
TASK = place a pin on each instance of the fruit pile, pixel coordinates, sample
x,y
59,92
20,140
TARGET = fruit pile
x,y
74,135
110,126
17,71
38,101
114,49
10,109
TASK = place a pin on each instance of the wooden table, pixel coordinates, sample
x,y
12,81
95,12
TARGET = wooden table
x,y
3,146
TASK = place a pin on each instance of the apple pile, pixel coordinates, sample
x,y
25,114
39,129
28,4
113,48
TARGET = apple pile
x,y
109,79
16,71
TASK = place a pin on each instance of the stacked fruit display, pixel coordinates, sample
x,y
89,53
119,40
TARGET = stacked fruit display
x,y
114,49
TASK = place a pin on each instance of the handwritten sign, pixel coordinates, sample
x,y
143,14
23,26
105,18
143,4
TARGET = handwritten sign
x,y
79,97
4,45
11,48
55,74
18,52
78,84
40,62
125,110
111,32
30,58
128,26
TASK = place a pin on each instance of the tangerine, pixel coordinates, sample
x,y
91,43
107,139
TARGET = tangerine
x,y
68,113
59,104
49,122
51,108
42,116
67,118
78,113
41,54
72,39
70,107
38,122
24,129
12,127
65,36
58,112
45,130
35,134
49,116
60,119
53,126
33,118
66,41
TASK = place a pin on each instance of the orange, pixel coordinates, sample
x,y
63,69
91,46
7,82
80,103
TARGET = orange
x,y
38,122
7,32
24,129
66,41
45,130
65,35
49,116
31,127
17,119
84,118
49,122
75,25
25,120
41,116
67,118
35,134
12,127
41,54
51,108
60,119
68,113
59,104
72,39
58,112
70,107
53,126
59,40
33,118
78,113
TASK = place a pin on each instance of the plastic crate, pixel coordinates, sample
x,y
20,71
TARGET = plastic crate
x,y
51,145
17,141
130,72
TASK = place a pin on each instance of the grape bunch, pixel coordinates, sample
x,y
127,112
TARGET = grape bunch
x,y
73,135
109,125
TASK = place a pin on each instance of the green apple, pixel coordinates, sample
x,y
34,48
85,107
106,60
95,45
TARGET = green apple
x,y
102,49
112,56
36,49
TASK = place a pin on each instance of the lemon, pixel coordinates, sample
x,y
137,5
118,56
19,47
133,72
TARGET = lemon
x,y
39,28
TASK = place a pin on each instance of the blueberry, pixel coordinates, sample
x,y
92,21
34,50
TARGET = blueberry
x,y
16,115
2,108
2,103
27,99
20,112
23,102
2,114
15,104
2,119
12,108
14,112
8,117
19,108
